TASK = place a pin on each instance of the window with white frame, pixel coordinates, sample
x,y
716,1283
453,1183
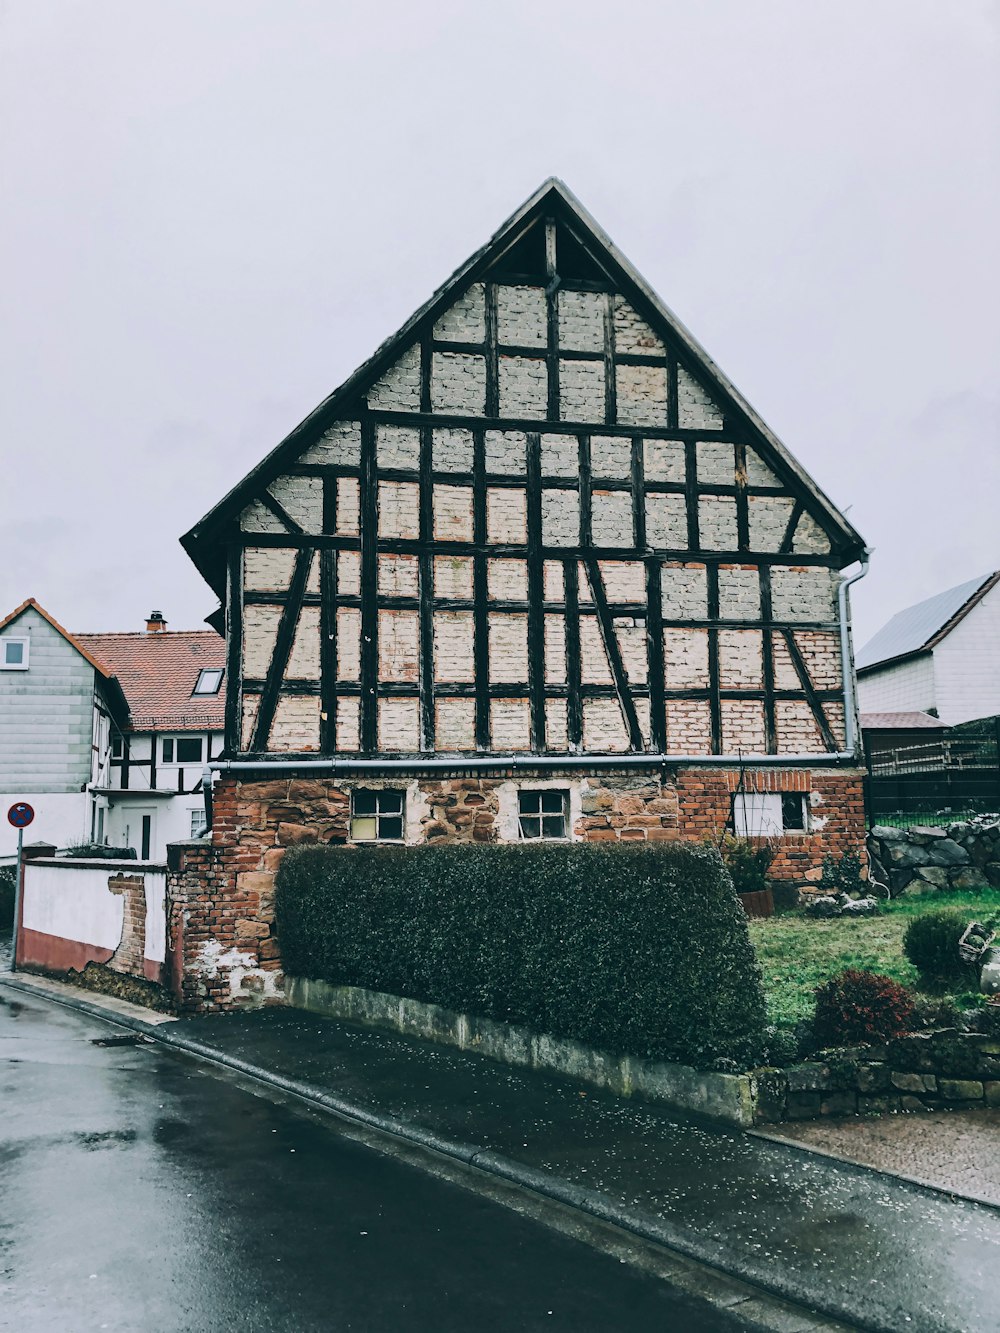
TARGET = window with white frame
x,y
14,653
181,749
377,816
769,814
209,681
198,822
542,813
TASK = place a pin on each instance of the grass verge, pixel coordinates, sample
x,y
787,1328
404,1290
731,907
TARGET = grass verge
x,y
798,954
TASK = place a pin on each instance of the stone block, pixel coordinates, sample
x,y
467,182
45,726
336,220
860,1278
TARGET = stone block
x,y
877,1105
839,1103
911,1103
872,1078
961,1089
808,1078
803,1105
906,1082
947,853
992,1092
288,835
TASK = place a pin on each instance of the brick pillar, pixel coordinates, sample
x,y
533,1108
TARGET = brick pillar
x,y
130,955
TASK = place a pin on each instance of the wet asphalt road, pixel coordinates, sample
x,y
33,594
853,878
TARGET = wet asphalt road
x,y
138,1190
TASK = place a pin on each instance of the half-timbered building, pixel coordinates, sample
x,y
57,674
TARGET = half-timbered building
x,y
535,570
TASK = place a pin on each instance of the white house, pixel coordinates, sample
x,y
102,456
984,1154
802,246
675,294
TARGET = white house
x,y
174,682
106,735
59,705
941,656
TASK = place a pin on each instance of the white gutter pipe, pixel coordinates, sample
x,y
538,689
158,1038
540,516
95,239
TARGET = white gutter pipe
x,y
480,763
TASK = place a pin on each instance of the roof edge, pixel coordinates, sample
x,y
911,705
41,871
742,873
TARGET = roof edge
x,y
851,544
36,606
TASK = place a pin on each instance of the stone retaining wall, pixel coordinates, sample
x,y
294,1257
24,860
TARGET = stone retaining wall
x,y
924,859
921,1071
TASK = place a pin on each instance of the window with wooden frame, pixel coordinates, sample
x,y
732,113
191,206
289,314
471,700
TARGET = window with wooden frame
x,y
377,815
543,814
769,814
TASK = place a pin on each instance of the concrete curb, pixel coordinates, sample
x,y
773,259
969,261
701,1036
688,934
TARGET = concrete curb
x,y
711,1255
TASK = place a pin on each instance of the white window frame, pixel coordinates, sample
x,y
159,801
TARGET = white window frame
x,y
208,671
759,814
378,814
174,762
25,643
564,814
198,817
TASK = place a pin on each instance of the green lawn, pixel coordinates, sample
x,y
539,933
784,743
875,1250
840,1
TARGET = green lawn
x,y
798,954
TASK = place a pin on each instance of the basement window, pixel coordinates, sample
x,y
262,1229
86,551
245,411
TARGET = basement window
x,y
14,654
542,814
769,814
209,680
377,816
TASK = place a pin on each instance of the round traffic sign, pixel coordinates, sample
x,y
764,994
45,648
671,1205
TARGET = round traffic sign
x,y
20,814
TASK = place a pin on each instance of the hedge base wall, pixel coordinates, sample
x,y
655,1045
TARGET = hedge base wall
x,y
731,1098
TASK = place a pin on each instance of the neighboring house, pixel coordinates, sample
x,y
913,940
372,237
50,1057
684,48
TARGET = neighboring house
x,y
106,735
536,570
174,681
886,734
941,656
59,705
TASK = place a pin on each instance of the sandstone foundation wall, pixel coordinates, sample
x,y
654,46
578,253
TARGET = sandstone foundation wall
x,y
222,944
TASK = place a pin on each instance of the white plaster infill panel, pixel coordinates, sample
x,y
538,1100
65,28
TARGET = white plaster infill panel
x,y
70,900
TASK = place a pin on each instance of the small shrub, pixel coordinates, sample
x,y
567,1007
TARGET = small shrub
x,y
937,1011
931,945
858,1008
842,874
634,949
748,860
97,851
782,1046
985,1020
8,875
786,896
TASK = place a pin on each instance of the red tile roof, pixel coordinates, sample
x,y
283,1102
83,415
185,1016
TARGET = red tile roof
x,y
158,672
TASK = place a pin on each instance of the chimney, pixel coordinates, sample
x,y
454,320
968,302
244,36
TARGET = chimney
x,y
155,624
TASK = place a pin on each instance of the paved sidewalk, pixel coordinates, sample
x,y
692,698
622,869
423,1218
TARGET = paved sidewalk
x,y
952,1150
865,1248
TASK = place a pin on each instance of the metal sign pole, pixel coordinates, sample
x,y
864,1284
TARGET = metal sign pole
x,y
17,896
19,816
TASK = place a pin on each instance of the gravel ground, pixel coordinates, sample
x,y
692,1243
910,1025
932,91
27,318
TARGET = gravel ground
x,y
957,1150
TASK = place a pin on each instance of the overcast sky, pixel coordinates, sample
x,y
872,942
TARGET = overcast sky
x,y
213,210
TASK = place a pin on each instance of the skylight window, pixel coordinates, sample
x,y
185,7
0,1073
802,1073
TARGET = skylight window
x,y
209,680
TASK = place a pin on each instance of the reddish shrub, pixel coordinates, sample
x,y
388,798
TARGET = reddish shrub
x,y
856,1008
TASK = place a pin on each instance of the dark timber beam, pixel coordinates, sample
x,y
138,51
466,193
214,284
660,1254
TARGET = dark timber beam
x,y
282,648
536,595
369,582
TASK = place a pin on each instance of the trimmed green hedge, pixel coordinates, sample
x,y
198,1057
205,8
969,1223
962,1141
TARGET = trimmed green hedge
x,y
636,949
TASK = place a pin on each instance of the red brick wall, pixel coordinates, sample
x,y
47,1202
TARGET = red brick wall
x,y
837,812
222,949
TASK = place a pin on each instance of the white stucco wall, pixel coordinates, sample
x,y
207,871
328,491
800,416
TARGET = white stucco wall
x,y
967,665
901,688
59,818
73,902
171,821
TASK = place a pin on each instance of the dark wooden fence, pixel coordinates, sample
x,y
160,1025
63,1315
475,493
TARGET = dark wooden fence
x,y
951,777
